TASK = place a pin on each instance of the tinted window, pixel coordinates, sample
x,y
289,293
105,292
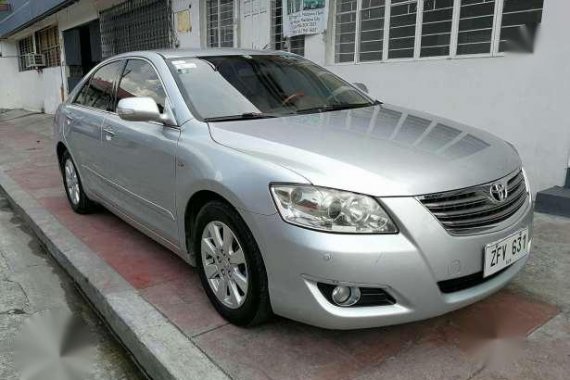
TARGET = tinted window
x,y
276,85
83,94
140,80
98,93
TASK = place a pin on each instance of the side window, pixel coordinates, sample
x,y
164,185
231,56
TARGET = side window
x,y
140,80
98,92
82,96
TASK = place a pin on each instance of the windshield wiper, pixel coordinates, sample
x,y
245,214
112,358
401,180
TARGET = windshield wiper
x,y
243,116
336,107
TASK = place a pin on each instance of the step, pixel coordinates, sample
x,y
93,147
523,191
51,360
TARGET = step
x,y
555,201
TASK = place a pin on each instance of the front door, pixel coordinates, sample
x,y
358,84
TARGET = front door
x,y
140,157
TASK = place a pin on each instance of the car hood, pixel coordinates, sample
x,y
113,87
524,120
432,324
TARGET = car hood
x,y
382,150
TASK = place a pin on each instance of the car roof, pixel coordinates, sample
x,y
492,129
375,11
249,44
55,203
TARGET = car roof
x,y
187,53
179,53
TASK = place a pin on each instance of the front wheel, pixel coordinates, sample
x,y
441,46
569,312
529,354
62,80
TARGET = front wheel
x,y
230,265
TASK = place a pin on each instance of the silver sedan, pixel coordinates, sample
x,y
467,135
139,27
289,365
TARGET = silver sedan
x,y
293,191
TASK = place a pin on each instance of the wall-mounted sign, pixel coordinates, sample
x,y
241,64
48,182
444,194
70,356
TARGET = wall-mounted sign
x,y
183,23
304,17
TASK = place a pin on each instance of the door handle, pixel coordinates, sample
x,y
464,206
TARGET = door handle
x,y
109,133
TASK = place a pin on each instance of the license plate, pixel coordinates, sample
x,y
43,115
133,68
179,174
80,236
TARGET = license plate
x,y
502,253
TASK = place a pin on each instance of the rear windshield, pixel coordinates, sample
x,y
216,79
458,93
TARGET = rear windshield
x,y
261,85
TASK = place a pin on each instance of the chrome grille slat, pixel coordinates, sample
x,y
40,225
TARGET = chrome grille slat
x,y
473,209
481,209
456,203
483,220
516,180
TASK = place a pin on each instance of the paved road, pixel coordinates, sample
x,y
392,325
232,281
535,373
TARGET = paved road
x,y
33,286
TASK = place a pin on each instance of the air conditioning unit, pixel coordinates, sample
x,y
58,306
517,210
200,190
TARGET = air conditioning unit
x,y
35,61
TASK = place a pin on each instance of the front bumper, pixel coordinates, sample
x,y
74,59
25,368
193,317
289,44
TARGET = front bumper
x,y
407,265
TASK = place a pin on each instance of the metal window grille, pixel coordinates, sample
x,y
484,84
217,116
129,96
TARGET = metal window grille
x,y
220,23
294,44
437,21
476,27
378,30
403,18
371,41
25,46
345,30
519,19
48,41
136,25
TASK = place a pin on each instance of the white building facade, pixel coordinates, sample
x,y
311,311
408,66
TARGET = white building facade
x,y
446,57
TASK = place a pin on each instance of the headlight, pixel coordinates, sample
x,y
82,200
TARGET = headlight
x,y
331,210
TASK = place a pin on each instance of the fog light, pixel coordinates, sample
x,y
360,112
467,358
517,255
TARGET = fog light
x,y
345,295
341,294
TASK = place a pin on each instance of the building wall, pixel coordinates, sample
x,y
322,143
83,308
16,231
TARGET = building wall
x,y
192,38
42,91
521,98
32,90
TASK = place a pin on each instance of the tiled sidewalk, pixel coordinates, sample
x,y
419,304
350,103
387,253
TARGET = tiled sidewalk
x,y
439,348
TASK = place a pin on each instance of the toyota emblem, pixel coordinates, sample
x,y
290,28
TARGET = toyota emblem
x,y
499,192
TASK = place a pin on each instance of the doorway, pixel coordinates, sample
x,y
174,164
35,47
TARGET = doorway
x,y
82,46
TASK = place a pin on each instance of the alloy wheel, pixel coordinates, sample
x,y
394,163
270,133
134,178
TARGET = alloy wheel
x,y
224,264
72,182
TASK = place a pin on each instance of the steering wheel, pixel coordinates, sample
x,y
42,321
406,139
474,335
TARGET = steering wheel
x,y
293,97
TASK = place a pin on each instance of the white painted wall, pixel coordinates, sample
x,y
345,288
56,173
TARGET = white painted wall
x,y
521,98
33,90
42,90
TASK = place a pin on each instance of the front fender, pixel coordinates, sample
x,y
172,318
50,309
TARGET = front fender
x,y
241,179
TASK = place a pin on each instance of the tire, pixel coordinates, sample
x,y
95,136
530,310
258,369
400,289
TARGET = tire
x,y
77,198
254,306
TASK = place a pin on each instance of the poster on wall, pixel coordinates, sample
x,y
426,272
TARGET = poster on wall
x,y
304,17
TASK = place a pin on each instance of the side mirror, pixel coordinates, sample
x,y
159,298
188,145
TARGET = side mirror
x,y
361,86
140,109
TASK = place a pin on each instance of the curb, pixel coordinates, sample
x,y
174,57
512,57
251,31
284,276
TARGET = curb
x,y
157,345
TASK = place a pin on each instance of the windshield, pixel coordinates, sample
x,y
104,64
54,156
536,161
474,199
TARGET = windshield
x,y
244,86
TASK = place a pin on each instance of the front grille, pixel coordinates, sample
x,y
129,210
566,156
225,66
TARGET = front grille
x,y
474,209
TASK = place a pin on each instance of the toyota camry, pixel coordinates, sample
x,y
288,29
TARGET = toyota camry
x,y
293,191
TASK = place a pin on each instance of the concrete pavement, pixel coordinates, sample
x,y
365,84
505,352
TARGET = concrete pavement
x,y
31,284
523,332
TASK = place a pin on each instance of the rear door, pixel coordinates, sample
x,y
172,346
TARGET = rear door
x,y
140,157
84,118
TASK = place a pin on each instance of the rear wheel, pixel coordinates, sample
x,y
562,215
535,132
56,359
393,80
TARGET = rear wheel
x,y
230,265
77,198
